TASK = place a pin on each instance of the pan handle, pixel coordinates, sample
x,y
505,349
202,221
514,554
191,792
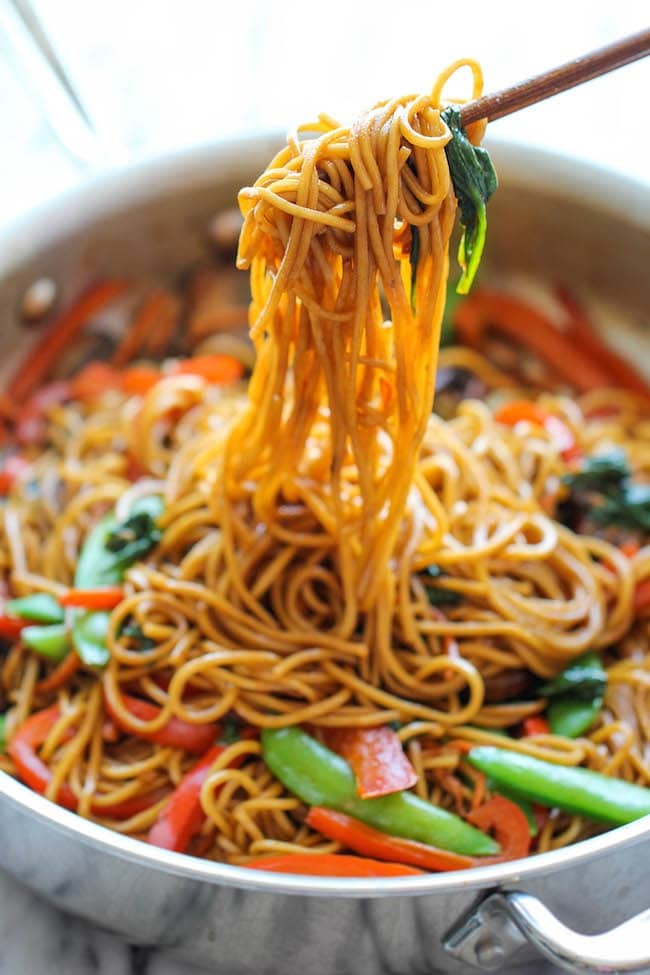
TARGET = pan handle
x,y
491,933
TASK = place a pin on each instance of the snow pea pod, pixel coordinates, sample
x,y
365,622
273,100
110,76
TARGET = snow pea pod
x,y
38,606
575,790
321,778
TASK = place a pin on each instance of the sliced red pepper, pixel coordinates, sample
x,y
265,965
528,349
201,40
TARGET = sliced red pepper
x,y
175,733
514,412
12,469
138,380
371,842
630,548
535,725
62,673
33,771
10,628
377,759
642,596
217,369
95,379
509,825
183,816
331,865
104,597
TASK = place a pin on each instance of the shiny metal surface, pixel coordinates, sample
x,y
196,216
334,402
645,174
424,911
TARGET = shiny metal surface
x,y
491,933
151,221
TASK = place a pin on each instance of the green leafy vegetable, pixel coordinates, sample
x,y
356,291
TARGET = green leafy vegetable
x,y
576,696
629,507
603,472
602,488
110,548
136,635
437,595
39,606
443,597
583,678
230,731
475,180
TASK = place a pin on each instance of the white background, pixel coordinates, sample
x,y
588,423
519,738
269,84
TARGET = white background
x,y
157,74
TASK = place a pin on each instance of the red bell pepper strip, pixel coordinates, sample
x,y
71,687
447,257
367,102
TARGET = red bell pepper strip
x,y
175,733
535,725
642,596
10,628
330,865
514,412
103,597
62,673
59,335
138,380
371,842
582,332
376,757
508,823
12,469
183,816
512,317
33,771
218,369
95,379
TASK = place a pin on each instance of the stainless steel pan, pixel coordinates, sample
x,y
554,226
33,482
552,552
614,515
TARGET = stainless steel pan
x,y
552,218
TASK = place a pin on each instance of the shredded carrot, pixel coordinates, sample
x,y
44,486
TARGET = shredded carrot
x,y
582,332
213,368
36,368
104,597
138,380
61,674
157,311
485,309
642,596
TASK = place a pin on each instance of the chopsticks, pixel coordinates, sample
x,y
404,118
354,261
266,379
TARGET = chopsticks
x,y
557,80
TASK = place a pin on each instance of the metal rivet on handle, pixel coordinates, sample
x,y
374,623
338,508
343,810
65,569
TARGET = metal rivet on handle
x,y
38,300
489,953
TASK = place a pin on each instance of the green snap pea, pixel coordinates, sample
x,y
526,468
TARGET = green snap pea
x,y
321,778
49,641
89,631
39,606
575,790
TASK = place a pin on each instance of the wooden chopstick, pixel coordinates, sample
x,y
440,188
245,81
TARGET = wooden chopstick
x,y
558,79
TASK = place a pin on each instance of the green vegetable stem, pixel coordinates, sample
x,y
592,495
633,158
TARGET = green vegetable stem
x,y
475,180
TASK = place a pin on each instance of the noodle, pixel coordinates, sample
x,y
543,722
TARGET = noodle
x,y
293,580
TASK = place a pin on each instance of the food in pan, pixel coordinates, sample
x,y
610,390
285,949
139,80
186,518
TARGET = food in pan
x,y
308,623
